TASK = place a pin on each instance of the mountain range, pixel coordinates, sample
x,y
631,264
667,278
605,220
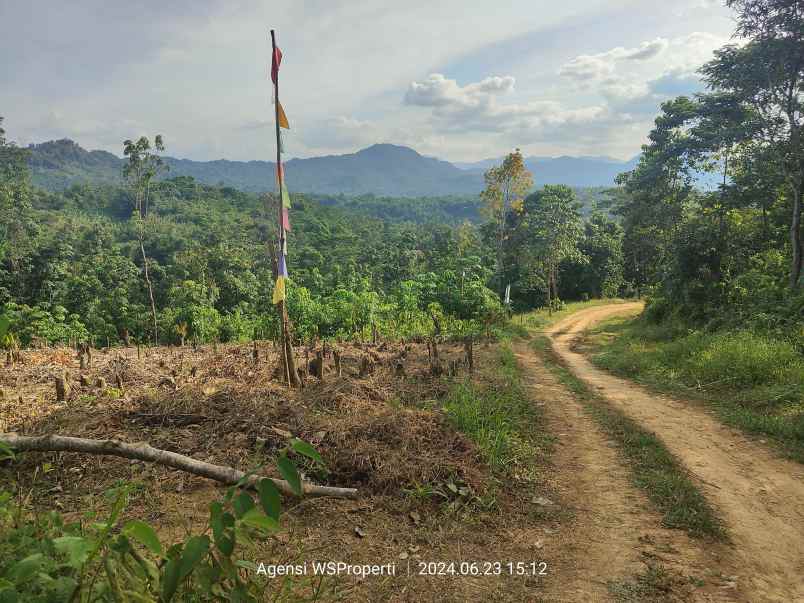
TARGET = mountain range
x,y
381,169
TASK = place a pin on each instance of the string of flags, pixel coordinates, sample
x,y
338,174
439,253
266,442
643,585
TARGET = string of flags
x,y
284,221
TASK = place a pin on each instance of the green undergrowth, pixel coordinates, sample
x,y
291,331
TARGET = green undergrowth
x,y
654,469
751,381
497,414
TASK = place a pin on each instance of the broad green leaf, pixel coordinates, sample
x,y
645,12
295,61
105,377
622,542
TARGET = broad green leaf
x,y
269,498
288,470
63,588
76,548
257,519
170,580
242,503
222,524
195,550
145,534
216,520
306,449
26,568
9,595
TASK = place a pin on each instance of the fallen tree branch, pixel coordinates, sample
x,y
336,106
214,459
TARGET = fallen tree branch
x,y
141,451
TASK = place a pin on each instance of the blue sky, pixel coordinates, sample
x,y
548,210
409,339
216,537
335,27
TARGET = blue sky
x,y
460,80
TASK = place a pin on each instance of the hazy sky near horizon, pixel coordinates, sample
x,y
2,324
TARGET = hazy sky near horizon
x,y
460,80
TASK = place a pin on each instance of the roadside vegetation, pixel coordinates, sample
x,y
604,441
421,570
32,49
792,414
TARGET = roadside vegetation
x,y
752,381
500,418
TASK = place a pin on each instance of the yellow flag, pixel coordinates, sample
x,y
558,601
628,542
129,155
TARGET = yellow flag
x,y
285,196
281,117
279,290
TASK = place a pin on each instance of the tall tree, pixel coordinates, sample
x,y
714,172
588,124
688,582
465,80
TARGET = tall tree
x,y
767,76
16,223
550,232
143,166
506,186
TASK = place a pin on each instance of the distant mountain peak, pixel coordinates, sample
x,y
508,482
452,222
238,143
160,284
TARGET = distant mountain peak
x,y
386,149
383,169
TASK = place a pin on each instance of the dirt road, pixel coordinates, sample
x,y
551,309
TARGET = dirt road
x,y
760,496
613,531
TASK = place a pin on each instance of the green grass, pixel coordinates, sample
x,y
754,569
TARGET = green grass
x,y
752,382
654,469
499,417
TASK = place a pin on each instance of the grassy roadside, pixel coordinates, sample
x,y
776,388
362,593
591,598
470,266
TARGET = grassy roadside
x,y
653,468
500,418
751,382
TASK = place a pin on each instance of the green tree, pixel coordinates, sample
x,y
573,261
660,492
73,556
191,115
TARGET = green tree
x,y
17,227
506,186
767,77
550,230
142,167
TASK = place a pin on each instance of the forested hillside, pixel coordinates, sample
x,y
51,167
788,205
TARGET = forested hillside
x,y
74,268
381,169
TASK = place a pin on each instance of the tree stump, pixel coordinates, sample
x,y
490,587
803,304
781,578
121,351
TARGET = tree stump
x,y
435,363
62,388
317,366
468,348
366,366
83,380
336,355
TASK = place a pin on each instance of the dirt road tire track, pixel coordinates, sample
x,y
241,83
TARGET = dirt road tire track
x,y
759,495
613,529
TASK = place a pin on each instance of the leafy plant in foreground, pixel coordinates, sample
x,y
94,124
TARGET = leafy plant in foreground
x,y
44,559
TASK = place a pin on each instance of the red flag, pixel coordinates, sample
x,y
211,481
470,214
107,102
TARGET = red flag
x,y
285,219
280,174
277,59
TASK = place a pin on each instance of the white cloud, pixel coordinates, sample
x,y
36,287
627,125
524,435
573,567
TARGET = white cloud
x,y
603,96
199,74
438,91
596,66
474,107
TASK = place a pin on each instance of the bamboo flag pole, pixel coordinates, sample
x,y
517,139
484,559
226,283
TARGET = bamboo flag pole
x,y
291,374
